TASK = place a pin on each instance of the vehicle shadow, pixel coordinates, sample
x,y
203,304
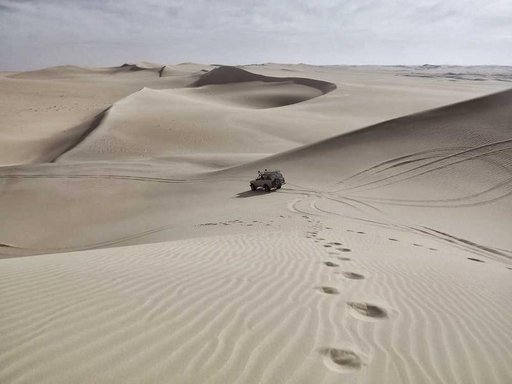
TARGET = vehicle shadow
x,y
242,195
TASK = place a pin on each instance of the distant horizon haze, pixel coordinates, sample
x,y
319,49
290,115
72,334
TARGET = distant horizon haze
x,y
43,33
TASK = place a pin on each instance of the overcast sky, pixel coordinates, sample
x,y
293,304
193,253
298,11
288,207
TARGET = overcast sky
x,y
40,33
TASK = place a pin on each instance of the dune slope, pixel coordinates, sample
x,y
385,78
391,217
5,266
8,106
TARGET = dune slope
x,y
432,171
170,123
47,110
259,308
451,166
44,112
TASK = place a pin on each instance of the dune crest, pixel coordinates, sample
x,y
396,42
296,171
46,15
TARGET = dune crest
x,y
229,75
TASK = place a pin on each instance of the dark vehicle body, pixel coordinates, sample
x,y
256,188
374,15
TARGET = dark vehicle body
x,y
268,180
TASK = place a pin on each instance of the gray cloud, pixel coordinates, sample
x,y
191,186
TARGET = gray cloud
x,y
6,8
38,33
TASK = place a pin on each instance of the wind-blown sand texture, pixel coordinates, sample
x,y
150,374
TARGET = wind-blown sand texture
x,y
133,251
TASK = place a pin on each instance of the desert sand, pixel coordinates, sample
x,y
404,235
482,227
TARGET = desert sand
x,y
132,250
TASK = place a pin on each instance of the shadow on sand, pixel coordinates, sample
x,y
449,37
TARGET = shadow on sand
x,y
251,194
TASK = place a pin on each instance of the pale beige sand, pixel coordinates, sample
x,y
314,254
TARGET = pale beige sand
x,y
385,258
44,112
251,309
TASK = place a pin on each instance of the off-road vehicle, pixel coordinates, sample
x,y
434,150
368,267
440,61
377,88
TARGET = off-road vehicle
x,y
268,180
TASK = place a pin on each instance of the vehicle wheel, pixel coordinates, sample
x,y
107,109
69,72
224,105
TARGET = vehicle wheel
x,y
267,188
278,186
253,187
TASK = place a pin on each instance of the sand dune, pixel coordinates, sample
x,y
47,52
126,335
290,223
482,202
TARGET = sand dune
x,y
73,71
227,75
63,71
160,123
45,111
132,250
247,309
168,135
66,97
176,122
452,157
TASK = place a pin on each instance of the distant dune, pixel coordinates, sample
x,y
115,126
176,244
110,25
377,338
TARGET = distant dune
x,y
73,71
227,75
117,135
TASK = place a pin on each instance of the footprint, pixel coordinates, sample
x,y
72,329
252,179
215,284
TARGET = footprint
x,y
352,275
392,239
361,233
344,249
367,310
335,243
331,264
477,260
432,249
417,245
343,258
328,290
327,246
341,360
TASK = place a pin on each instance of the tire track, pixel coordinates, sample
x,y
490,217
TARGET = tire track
x,y
389,180
453,202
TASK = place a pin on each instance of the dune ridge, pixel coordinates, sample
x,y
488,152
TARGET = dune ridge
x,y
89,128
75,71
228,75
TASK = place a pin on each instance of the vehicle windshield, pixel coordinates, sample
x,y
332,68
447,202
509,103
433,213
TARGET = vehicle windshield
x,y
268,175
